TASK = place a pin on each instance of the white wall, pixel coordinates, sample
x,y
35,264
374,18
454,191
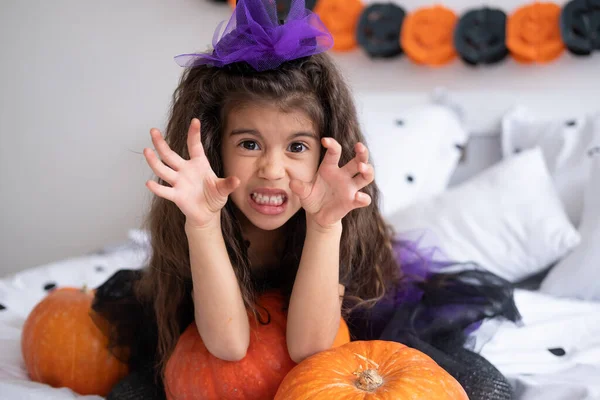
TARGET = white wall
x,y
81,84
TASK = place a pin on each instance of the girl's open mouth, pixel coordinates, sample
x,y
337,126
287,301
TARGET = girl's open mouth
x,y
268,204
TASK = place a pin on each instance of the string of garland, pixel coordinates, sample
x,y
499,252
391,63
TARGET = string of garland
x,y
534,33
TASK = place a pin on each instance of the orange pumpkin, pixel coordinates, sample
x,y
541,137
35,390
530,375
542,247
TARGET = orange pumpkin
x,y
533,33
427,35
63,347
193,373
343,335
369,370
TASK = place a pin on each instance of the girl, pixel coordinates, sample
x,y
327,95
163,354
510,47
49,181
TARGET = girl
x,y
263,182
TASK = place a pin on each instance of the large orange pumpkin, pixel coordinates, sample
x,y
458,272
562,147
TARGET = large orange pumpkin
x,y
369,370
63,347
193,373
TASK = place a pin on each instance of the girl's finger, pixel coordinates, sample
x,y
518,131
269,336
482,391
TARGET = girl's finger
x,y
227,185
160,190
362,153
194,141
300,188
365,176
334,151
171,158
352,167
362,156
161,170
361,200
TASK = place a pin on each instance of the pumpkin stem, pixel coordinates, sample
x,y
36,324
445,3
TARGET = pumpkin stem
x,y
368,380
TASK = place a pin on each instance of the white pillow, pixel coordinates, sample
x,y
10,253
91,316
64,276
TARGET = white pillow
x,y
414,150
563,143
508,219
578,274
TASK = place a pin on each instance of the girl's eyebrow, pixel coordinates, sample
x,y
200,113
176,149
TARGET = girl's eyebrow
x,y
245,132
257,134
304,134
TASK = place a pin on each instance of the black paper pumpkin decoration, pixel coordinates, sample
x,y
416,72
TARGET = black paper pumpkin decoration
x,y
378,30
480,36
283,7
580,26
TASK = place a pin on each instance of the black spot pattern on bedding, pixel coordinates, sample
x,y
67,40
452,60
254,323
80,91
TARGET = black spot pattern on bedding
x,y
571,122
410,178
399,122
558,351
49,286
99,268
593,151
2,308
517,150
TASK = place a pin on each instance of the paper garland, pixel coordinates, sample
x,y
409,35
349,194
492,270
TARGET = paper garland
x,y
535,33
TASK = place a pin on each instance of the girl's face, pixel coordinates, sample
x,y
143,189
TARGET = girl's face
x,y
266,148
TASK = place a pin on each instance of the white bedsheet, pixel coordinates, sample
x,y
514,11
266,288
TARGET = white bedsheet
x,y
521,353
570,328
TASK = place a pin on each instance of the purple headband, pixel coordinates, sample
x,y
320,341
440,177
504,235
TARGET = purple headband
x,y
254,35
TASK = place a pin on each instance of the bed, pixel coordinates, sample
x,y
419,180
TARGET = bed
x,y
514,188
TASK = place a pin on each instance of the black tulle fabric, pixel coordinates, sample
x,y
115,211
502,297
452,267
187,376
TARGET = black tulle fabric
x,y
452,305
426,324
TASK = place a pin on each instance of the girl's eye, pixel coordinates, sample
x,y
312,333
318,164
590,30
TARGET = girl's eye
x,y
297,147
249,145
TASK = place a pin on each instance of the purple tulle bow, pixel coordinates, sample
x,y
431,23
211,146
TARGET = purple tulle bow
x,y
255,36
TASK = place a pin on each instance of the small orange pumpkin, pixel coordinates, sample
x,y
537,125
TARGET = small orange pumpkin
x,y
193,373
370,370
63,347
427,35
533,33
343,335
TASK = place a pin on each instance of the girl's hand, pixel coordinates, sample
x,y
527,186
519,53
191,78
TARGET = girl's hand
x,y
335,191
195,189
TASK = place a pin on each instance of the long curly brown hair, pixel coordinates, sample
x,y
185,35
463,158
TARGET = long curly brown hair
x,y
313,85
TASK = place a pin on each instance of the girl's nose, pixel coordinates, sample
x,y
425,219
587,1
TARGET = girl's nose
x,y
271,167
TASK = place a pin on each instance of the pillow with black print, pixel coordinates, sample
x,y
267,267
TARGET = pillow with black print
x,y
578,274
563,142
508,219
414,150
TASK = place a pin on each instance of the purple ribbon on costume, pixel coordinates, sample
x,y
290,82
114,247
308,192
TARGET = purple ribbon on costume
x,y
254,35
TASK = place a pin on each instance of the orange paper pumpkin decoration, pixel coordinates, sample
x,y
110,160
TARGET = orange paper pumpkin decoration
x,y
369,370
63,347
341,19
193,373
533,33
427,35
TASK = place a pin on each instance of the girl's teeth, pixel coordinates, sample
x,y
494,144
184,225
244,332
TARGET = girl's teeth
x,y
270,200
